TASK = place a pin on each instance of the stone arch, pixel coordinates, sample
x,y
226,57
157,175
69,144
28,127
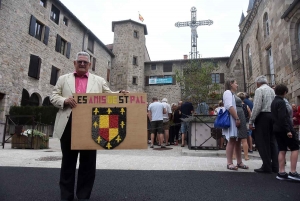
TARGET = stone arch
x,y
294,37
25,98
46,101
35,99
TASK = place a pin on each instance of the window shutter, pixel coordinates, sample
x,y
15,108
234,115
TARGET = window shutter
x,y
94,64
34,66
46,35
147,81
25,98
58,43
221,78
107,75
32,26
38,68
53,78
174,79
68,50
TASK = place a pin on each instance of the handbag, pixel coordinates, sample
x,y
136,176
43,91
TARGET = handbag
x,y
222,120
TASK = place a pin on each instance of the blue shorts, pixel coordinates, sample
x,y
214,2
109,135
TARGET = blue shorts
x,y
184,127
249,132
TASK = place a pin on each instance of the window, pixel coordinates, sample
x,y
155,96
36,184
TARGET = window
x,y
39,30
266,25
90,44
65,21
134,80
46,102
43,3
34,66
153,66
34,100
54,16
135,34
249,60
54,75
217,78
134,61
93,64
271,67
25,98
62,46
167,67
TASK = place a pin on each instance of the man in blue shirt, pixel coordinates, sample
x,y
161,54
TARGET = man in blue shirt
x,y
248,102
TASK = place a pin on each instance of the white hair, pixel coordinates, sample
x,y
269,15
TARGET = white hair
x,y
83,54
261,79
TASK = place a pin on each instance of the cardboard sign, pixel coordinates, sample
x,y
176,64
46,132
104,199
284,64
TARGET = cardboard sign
x,y
109,121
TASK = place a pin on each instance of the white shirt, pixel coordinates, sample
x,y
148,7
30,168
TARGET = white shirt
x,y
157,110
264,95
169,111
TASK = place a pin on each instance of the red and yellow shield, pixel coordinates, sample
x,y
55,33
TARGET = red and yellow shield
x,y
109,126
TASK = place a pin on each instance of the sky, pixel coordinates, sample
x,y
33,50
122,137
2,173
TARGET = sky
x,y
165,41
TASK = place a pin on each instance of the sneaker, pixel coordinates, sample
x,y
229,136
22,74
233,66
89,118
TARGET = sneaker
x,y
151,146
250,151
282,176
294,176
162,146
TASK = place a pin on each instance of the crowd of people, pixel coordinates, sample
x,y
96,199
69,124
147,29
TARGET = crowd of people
x,y
268,123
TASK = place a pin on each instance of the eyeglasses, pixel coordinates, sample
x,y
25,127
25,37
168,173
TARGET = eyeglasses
x,y
84,62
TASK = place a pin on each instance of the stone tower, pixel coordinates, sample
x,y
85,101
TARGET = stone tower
x,y
129,48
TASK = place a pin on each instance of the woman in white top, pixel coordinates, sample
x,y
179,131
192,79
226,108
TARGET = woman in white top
x,y
231,133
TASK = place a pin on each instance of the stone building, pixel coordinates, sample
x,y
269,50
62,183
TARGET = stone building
x,y
269,44
160,77
40,38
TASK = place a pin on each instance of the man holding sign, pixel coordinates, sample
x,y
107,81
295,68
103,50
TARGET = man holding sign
x,y
81,81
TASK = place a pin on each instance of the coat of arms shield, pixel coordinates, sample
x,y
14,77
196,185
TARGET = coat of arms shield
x,y
109,126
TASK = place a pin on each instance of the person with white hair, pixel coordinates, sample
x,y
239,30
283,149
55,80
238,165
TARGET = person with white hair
x,y
80,81
262,126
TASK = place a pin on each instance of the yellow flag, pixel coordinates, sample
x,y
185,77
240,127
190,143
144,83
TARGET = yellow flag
x,y
141,18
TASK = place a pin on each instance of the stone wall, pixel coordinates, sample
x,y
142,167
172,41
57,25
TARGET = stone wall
x,y
125,47
16,45
278,40
173,91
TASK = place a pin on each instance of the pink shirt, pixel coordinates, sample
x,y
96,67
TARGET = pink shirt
x,y
81,82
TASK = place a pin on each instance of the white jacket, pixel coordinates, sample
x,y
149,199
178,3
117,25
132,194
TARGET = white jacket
x,y
64,88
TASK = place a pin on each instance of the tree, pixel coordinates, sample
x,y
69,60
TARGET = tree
x,y
196,81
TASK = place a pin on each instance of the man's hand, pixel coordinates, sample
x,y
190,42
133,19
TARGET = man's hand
x,y
123,91
71,102
289,134
251,127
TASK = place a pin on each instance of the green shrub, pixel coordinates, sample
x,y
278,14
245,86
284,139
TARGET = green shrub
x,y
44,115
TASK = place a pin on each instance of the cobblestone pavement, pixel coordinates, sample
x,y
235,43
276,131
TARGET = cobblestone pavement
x,y
177,158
